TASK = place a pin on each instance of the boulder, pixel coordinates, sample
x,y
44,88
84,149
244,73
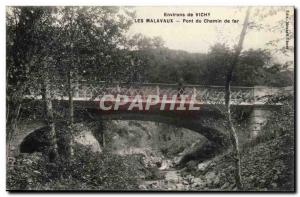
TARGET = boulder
x,y
202,166
86,138
179,186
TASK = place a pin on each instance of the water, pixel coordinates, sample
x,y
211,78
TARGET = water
x,y
172,181
172,175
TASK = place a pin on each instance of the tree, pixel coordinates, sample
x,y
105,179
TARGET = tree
x,y
92,49
21,47
232,132
29,46
53,45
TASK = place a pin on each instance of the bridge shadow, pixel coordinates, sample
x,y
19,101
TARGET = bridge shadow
x,y
207,123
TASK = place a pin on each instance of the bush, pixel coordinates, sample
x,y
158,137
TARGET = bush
x,y
29,171
153,173
280,123
86,171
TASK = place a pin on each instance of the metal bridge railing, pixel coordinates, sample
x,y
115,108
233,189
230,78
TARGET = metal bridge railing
x,y
202,93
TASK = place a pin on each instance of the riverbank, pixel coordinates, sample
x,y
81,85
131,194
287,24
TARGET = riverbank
x,y
267,166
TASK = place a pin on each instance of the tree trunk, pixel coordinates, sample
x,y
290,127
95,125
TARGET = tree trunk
x,y
232,132
103,139
12,121
12,127
100,133
71,116
14,102
70,94
50,120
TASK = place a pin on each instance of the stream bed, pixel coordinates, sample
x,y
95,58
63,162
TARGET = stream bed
x,y
172,181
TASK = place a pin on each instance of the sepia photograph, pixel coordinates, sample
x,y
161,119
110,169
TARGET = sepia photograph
x,y
150,98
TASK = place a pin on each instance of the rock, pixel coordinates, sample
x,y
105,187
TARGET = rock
x,y
179,186
171,186
216,180
198,183
185,182
86,138
210,177
189,177
176,160
191,165
262,181
165,164
154,185
172,181
30,180
197,180
37,172
203,166
195,185
142,187
225,186
274,185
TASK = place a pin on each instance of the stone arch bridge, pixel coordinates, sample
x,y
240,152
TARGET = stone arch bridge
x,y
207,118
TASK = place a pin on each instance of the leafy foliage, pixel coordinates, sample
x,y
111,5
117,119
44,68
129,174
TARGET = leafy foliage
x,y
87,171
255,67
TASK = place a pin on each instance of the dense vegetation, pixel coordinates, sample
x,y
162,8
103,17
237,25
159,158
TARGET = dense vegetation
x,y
86,171
255,67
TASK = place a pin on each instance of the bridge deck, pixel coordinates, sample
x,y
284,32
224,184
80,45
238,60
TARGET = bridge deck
x,y
91,95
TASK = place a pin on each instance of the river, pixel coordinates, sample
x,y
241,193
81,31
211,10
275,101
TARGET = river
x,y
172,181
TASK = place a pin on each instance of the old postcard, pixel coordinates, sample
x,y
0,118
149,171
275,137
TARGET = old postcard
x,y
127,98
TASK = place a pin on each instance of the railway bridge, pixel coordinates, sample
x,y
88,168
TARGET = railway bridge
x,y
195,107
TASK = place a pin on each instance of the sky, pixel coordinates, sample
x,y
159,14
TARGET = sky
x,y
199,37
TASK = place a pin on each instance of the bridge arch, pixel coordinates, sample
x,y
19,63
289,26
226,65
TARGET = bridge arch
x,y
210,125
